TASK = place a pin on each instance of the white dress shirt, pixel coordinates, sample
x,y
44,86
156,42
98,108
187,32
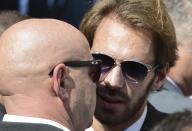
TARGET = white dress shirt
x,y
14,118
135,126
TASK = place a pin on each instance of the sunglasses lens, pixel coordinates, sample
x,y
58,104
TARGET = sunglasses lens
x,y
135,70
107,62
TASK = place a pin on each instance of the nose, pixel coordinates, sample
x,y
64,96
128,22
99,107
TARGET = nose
x,y
115,78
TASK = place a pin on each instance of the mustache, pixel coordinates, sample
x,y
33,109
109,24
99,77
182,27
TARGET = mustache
x,y
106,90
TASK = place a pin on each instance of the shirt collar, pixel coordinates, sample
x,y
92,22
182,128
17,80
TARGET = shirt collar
x,y
175,85
135,126
138,124
14,118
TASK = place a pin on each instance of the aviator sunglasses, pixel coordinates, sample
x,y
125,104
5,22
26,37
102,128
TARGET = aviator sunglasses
x,y
95,67
134,71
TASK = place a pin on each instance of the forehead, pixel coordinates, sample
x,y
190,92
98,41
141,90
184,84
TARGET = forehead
x,y
123,42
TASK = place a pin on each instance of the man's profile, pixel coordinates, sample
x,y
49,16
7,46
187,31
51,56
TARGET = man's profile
x,y
47,76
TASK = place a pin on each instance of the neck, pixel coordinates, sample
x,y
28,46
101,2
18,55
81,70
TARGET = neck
x,y
181,72
185,86
120,127
40,107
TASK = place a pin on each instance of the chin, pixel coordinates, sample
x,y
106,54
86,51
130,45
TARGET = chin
x,y
109,119
111,116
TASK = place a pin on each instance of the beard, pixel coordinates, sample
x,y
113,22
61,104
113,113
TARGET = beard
x,y
125,111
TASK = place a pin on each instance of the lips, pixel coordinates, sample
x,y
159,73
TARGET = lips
x,y
111,99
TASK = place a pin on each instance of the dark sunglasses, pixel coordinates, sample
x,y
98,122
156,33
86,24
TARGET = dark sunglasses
x,y
95,67
132,70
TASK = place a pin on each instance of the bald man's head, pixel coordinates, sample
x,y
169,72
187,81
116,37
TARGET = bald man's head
x,y
32,47
29,51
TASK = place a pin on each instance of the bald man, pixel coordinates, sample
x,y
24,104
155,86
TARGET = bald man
x,y
47,77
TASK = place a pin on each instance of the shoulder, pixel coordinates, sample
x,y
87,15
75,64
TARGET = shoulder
x,y
168,101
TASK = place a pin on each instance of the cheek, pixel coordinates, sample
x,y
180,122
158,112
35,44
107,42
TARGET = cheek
x,y
133,90
136,91
90,93
86,89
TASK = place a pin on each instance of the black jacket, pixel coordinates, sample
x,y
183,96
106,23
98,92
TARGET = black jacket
x,y
153,117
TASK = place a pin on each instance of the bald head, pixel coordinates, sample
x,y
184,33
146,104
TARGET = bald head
x,y
29,51
32,47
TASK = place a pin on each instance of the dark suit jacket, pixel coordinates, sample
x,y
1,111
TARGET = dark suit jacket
x,y
2,112
153,117
169,99
13,126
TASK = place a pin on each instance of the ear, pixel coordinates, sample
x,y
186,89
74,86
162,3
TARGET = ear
x,y
160,77
58,81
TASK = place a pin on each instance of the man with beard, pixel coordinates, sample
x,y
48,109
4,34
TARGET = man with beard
x,y
135,39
